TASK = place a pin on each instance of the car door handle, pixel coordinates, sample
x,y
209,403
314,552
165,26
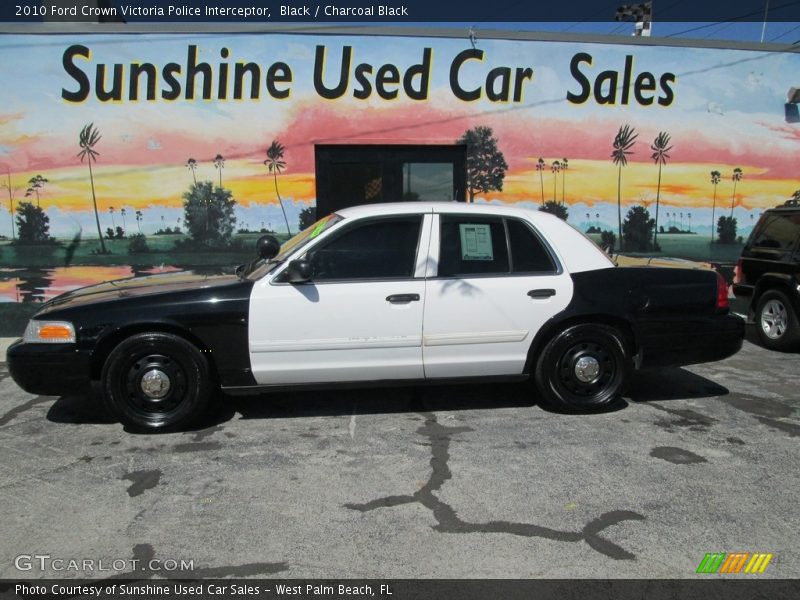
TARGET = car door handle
x,y
543,293
402,298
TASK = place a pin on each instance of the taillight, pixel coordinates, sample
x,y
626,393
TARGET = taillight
x,y
722,293
737,272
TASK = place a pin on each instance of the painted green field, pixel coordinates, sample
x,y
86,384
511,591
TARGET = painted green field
x,y
161,251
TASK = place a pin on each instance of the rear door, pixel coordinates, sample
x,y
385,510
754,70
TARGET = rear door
x,y
493,282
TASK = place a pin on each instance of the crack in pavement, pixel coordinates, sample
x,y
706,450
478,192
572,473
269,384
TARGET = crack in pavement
x,y
448,520
18,410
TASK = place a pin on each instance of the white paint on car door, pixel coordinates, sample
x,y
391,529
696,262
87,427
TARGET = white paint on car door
x,y
483,324
336,331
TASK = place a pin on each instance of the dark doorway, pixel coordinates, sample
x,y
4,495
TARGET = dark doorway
x,y
348,175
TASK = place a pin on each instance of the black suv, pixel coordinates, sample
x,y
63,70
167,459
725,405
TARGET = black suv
x,y
768,273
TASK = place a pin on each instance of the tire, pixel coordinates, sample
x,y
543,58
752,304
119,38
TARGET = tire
x,y
583,368
776,321
156,382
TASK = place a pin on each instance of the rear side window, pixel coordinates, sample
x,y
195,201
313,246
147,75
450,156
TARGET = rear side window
x,y
382,249
528,253
472,246
477,245
777,231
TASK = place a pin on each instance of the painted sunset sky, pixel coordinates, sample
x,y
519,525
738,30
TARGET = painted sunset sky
x,y
727,112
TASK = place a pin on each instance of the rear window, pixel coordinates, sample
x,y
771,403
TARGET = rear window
x,y
776,231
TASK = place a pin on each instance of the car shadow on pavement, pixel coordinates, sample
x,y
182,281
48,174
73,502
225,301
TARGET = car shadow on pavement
x,y
381,400
651,385
645,386
79,408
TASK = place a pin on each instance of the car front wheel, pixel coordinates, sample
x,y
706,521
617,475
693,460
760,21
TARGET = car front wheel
x,y
156,381
776,321
583,368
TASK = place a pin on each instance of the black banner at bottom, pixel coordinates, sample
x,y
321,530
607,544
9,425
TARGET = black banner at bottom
x,y
403,589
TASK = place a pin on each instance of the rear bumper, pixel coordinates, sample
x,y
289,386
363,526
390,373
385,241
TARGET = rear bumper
x,y
701,340
49,369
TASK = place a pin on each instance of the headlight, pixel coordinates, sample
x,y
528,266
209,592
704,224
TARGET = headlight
x,y
49,332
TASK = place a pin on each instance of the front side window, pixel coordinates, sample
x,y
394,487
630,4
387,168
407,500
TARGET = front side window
x,y
379,249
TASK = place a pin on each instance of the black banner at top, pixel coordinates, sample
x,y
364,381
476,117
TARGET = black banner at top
x,y
392,11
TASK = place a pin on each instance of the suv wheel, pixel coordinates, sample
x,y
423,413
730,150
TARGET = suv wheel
x,y
776,321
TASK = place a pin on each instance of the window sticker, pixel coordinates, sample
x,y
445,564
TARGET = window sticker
x,y
321,226
476,241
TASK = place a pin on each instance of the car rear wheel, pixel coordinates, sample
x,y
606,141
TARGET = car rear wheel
x,y
156,381
583,368
776,321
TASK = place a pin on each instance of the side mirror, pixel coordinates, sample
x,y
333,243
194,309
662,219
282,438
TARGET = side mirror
x,y
267,247
299,271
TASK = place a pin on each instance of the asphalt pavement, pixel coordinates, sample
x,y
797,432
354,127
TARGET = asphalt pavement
x,y
438,482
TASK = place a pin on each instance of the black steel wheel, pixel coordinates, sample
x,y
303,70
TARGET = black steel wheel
x,y
776,321
583,368
156,381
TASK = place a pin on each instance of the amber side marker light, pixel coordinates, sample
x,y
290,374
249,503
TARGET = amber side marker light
x,y
53,332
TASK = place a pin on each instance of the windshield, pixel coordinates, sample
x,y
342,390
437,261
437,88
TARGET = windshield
x,y
292,245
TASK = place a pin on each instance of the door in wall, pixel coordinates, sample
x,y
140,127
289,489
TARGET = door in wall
x,y
349,175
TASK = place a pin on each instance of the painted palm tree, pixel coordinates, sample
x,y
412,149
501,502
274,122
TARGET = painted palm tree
x,y
715,179
623,142
36,183
139,220
660,148
737,177
11,192
192,165
219,163
275,164
111,212
122,212
555,168
87,140
564,167
540,164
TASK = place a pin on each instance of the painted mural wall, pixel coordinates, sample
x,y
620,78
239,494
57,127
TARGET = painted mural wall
x,y
178,149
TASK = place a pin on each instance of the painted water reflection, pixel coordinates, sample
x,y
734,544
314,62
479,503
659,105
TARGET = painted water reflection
x,y
34,284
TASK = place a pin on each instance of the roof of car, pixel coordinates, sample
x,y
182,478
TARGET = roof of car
x,y
788,206
393,208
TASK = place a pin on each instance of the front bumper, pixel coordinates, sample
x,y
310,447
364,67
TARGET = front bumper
x,y
49,369
700,340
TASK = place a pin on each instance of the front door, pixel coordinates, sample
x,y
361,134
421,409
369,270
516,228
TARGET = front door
x,y
495,284
360,316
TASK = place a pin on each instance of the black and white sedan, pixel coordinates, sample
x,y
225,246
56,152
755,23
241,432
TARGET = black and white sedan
x,y
381,294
